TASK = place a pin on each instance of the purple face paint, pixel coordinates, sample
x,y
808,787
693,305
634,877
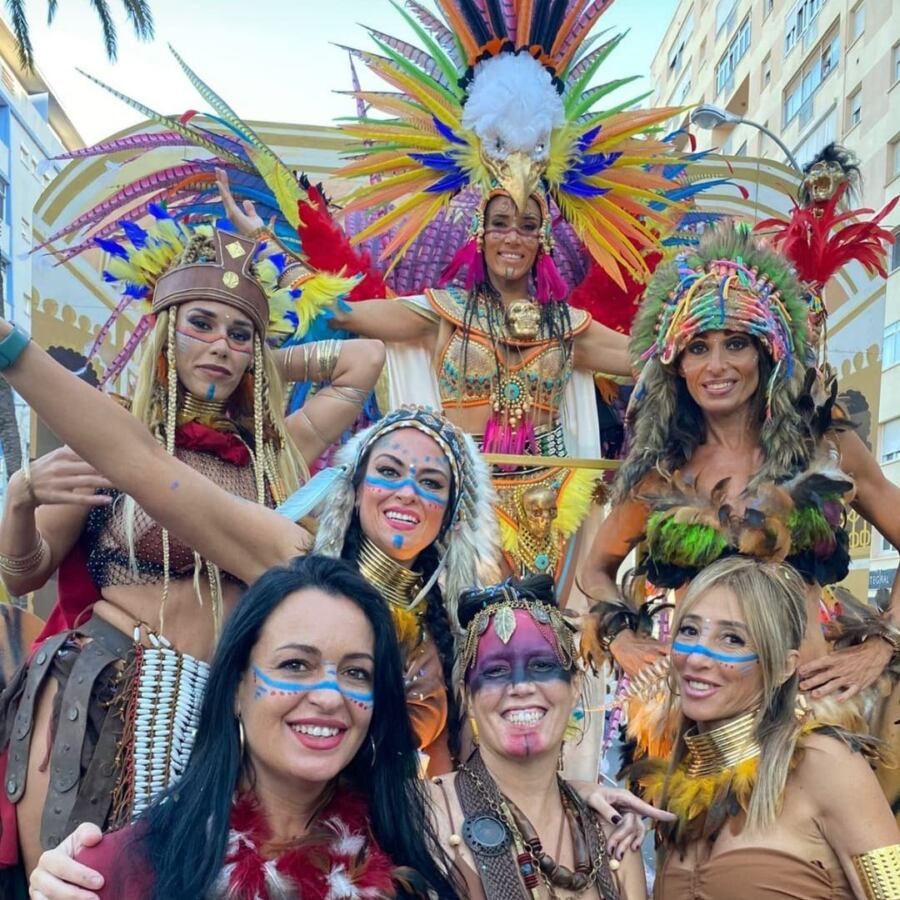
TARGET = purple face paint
x,y
530,655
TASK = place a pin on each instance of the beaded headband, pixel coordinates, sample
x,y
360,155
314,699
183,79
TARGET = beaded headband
x,y
445,434
724,295
500,603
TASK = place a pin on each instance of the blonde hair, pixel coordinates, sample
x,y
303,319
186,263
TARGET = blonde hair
x,y
772,600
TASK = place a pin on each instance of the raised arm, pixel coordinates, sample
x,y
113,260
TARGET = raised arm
x,y
614,540
242,537
350,369
388,320
600,349
852,669
44,514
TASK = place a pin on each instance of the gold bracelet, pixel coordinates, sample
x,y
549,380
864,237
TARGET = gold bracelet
x,y
327,353
263,233
879,872
25,565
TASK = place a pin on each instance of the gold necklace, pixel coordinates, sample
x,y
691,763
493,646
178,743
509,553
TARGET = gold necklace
x,y
723,747
397,584
193,409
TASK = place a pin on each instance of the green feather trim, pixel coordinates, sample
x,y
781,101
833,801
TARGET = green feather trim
x,y
682,543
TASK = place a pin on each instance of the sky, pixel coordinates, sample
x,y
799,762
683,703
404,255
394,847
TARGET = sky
x,y
272,60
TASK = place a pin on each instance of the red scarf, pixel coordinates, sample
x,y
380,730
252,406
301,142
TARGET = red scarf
x,y
224,444
338,860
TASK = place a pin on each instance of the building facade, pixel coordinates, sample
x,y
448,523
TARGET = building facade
x,y
33,128
812,71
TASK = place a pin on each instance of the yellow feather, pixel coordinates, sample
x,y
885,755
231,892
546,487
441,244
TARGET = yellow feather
x,y
574,499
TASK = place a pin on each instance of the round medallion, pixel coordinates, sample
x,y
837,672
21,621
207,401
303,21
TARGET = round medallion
x,y
230,279
512,391
486,835
542,561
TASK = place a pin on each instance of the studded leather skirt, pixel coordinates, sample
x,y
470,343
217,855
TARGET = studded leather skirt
x,y
122,728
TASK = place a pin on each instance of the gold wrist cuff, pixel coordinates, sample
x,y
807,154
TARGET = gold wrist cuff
x,y
25,565
879,872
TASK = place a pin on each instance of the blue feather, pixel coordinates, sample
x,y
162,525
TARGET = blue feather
x,y
452,182
111,247
592,163
443,162
447,132
580,189
134,233
305,499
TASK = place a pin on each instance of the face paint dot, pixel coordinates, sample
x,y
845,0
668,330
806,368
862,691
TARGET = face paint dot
x,y
397,541
211,392
175,485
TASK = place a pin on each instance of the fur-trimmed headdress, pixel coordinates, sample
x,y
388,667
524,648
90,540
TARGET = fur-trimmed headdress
x,y
469,544
730,282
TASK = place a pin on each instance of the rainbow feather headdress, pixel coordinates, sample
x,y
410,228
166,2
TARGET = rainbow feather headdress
x,y
729,284
501,98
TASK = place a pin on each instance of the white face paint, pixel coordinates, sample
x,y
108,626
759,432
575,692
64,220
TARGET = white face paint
x,y
213,348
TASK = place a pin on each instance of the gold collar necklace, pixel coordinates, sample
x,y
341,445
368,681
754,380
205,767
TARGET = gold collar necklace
x,y
193,409
397,584
723,747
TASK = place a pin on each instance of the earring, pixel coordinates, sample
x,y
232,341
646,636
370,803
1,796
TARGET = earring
x,y
242,740
374,750
474,726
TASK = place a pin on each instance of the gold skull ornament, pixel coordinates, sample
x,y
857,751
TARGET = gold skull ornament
x,y
539,509
523,319
822,180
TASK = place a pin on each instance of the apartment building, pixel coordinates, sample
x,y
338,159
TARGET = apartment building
x,y
33,128
812,71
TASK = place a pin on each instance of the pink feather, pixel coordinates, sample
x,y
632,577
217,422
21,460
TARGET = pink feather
x,y
469,258
550,285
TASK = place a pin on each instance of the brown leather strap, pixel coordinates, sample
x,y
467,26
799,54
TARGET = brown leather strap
x,y
20,739
498,872
107,646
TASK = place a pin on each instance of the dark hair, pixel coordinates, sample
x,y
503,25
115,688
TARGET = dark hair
x,y
437,622
202,800
688,429
534,588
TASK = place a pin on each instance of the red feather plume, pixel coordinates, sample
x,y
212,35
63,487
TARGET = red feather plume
x,y
606,301
819,241
328,249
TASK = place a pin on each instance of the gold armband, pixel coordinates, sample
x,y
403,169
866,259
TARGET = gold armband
x,y
879,872
327,353
24,565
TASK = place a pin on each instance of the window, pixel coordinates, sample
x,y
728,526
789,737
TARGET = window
x,y
798,100
896,64
676,53
895,251
799,20
682,89
25,230
768,6
894,159
3,188
857,21
767,71
890,438
739,45
724,12
742,150
854,109
890,349
824,133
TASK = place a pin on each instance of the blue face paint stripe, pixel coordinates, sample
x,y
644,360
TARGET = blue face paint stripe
x,y
680,647
325,684
389,485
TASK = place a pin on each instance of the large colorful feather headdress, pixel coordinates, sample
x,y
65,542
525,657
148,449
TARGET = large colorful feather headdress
x,y
500,94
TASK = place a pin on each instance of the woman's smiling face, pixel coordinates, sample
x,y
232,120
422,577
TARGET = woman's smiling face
x,y
405,492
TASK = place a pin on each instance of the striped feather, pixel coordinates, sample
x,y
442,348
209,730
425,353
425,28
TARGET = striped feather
x,y
393,104
441,33
460,29
509,16
580,31
137,189
131,142
415,55
447,61
568,23
170,123
582,65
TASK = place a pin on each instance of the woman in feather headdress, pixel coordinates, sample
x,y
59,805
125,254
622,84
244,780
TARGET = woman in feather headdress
x,y
730,455
135,602
770,802
493,181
